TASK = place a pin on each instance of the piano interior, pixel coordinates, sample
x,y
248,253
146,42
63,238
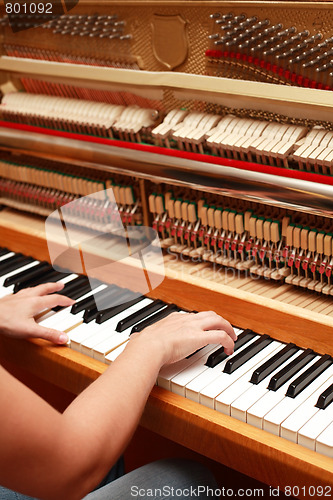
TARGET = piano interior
x,y
212,124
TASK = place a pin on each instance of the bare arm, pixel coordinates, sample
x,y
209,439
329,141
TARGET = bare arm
x,y
49,455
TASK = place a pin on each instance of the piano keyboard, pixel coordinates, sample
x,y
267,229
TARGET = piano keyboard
x,y
277,387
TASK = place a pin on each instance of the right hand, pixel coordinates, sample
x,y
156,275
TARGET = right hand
x,y
179,335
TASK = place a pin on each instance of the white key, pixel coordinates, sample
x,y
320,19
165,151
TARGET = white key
x,y
194,388
8,290
180,381
240,406
67,279
7,256
169,372
255,414
308,434
209,393
236,389
303,413
324,442
65,319
273,420
18,270
114,339
109,327
115,353
82,332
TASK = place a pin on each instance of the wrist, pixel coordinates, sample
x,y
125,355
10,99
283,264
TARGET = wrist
x,y
148,348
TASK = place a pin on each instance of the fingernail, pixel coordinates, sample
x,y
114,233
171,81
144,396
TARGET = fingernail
x,y
63,338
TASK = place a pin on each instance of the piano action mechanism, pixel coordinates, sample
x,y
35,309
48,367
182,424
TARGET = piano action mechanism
x,y
212,122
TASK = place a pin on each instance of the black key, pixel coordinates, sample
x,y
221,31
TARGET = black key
x,y
156,317
247,353
74,289
4,251
26,282
89,302
289,371
79,291
48,277
218,356
17,264
113,311
91,313
74,285
8,260
139,315
273,363
325,398
13,263
27,274
306,378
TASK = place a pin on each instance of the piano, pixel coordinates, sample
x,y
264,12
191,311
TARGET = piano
x,y
212,124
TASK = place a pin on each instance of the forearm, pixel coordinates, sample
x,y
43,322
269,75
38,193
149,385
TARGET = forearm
x,y
54,456
108,411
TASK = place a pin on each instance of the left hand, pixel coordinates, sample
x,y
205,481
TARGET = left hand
x,y
17,312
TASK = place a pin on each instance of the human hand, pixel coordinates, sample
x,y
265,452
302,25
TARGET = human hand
x,y
18,311
179,335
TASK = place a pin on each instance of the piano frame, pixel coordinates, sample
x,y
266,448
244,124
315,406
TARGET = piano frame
x,y
251,451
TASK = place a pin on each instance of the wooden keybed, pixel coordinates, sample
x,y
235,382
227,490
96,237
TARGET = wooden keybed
x,y
251,451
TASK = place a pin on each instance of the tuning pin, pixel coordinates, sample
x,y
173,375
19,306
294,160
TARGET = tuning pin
x,y
287,31
95,34
299,58
218,17
325,67
260,24
292,51
249,20
223,40
270,30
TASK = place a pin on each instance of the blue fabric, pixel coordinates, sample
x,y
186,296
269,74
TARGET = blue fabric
x,y
161,480
117,470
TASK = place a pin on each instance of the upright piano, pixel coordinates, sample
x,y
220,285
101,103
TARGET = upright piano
x,y
212,123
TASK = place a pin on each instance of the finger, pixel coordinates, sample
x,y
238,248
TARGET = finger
x,y
47,288
50,334
40,290
209,320
221,337
50,301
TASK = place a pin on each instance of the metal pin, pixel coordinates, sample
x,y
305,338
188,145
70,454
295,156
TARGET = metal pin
x,y
324,67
